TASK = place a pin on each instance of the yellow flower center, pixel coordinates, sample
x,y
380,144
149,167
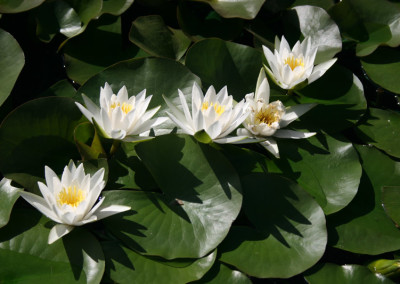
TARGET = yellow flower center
x,y
71,196
294,62
268,115
219,109
125,107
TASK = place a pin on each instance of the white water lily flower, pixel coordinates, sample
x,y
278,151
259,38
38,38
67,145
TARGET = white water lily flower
x,y
213,113
70,201
290,67
266,119
120,117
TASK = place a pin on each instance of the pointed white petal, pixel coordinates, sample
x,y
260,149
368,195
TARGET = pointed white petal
x,y
185,106
271,146
40,204
58,231
284,133
182,124
122,94
243,132
102,213
176,112
294,112
90,105
214,130
85,112
50,175
284,45
320,70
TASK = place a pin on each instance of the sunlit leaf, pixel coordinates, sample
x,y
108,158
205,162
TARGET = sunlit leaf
x,y
290,234
11,62
12,6
8,195
115,7
363,226
221,273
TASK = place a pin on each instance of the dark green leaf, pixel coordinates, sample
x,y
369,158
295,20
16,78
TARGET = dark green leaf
x,y
62,88
290,235
221,63
128,266
38,133
339,107
152,35
327,168
201,200
17,6
383,66
221,273
363,226
99,47
26,257
11,62
236,8
331,273
382,129
115,7
391,202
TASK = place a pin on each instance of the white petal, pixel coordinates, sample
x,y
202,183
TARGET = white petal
x,y
294,112
90,105
123,94
283,45
243,132
271,146
272,61
50,175
110,210
320,70
176,112
283,133
214,130
185,106
85,112
40,204
263,91
59,231
182,124
237,140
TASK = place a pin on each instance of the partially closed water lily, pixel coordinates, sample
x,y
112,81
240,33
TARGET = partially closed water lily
x,y
120,117
290,67
71,200
213,114
266,119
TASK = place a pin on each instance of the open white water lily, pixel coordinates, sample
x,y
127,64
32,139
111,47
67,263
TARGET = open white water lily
x,y
70,201
120,117
212,114
290,67
266,119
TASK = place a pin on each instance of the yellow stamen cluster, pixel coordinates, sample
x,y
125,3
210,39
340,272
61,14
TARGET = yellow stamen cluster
x,y
125,107
219,109
268,115
294,62
71,196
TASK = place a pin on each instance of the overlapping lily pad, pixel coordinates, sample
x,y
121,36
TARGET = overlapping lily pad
x,y
221,63
26,256
221,273
8,195
201,200
382,129
290,234
36,134
11,62
363,226
12,6
236,8
331,273
127,266
327,168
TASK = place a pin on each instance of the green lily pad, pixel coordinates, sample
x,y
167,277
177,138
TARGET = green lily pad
x,y
381,129
363,226
88,142
221,63
68,17
12,60
327,168
62,88
338,108
99,47
127,266
221,273
12,6
26,256
38,133
391,202
152,35
8,196
115,7
330,273
290,234
236,8
316,23
382,67
201,200
200,21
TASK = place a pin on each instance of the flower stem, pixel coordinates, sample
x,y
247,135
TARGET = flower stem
x,y
114,147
